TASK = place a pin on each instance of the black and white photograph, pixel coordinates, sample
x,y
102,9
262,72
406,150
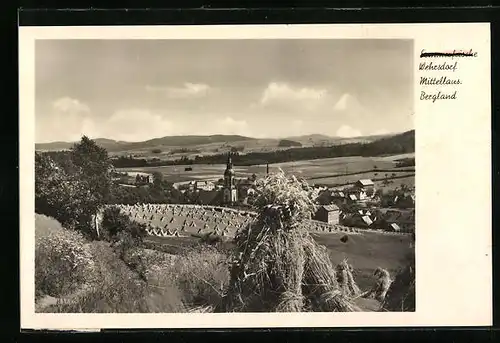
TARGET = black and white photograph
x,y
224,175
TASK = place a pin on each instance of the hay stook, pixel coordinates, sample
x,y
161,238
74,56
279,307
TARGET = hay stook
x,y
277,266
400,296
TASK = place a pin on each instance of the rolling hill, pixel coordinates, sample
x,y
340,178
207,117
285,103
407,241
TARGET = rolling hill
x,y
168,141
210,143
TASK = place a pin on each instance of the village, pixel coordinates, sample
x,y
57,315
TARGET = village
x,y
360,205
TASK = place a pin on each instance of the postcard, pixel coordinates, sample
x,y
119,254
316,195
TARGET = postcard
x,y
255,176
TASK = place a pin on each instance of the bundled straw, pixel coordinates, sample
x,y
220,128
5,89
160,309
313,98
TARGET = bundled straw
x,y
345,278
277,266
382,284
401,293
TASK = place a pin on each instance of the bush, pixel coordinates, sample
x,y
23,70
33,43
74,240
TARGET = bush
x,y
201,274
117,289
62,263
115,222
71,186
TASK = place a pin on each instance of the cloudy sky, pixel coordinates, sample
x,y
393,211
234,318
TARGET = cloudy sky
x,y
136,90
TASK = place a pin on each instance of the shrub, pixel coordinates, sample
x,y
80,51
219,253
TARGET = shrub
x,y
62,263
71,186
117,289
115,222
201,274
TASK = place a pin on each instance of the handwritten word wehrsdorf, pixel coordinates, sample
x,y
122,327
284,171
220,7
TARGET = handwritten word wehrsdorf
x,y
438,67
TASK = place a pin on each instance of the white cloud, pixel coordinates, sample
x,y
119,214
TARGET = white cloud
x,y
342,103
232,126
347,132
280,94
134,125
67,104
65,121
187,91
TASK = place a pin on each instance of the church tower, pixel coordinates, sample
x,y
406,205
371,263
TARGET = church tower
x,y
230,193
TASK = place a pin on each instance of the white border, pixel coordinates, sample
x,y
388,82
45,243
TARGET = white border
x,y
453,182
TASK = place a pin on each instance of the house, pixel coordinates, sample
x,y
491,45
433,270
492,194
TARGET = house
x,y
357,220
352,197
393,227
329,214
143,179
405,200
364,184
404,219
204,185
364,189
337,197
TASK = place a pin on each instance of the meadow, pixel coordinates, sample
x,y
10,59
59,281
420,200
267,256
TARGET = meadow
x,y
172,264
323,171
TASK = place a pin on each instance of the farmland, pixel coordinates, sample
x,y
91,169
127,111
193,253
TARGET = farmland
x,y
166,220
329,171
366,250
122,266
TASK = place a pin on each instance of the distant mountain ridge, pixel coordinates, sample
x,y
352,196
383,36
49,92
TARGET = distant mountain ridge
x,y
200,140
169,141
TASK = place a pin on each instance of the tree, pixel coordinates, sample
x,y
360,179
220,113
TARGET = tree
x,y
94,166
73,190
158,180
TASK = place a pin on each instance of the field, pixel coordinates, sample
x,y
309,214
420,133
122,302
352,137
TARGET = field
x,y
185,220
365,249
366,252
322,171
170,220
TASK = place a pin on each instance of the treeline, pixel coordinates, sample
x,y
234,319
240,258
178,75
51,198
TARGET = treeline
x,y
406,162
399,144
288,143
71,186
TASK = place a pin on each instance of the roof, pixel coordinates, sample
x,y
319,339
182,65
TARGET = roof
x,y
366,182
331,207
367,220
352,197
337,194
395,227
203,183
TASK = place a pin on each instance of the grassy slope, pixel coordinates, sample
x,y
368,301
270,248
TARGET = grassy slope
x,y
44,225
365,251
